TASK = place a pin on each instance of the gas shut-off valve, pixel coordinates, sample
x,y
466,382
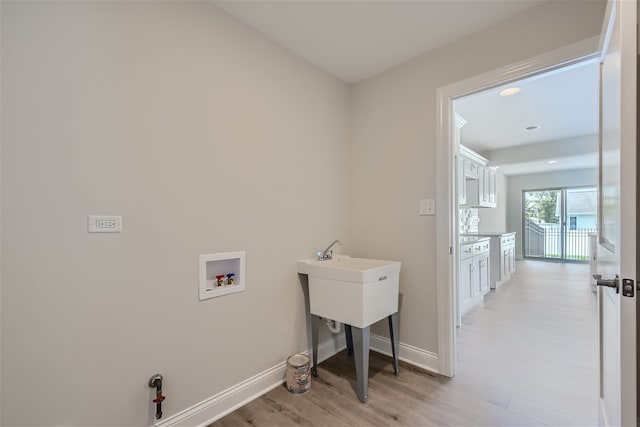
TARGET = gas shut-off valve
x,y
156,382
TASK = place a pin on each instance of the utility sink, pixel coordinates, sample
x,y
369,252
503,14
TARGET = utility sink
x,y
354,291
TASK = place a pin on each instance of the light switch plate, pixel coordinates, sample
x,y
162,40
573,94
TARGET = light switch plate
x,y
104,224
427,207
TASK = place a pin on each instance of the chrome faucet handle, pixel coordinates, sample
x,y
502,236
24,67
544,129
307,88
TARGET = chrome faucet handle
x,y
327,253
324,255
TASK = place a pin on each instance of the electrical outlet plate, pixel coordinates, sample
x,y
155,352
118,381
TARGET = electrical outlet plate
x,y
104,224
427,207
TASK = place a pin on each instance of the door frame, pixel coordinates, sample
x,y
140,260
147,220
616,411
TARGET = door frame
x,y
447,233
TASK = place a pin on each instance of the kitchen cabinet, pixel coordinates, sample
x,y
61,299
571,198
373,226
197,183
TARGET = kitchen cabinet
x,y
503,257
508,248
466,280
492,188
482,261
473,192
483,186
474,273
481,192
478,179
488,188
471,170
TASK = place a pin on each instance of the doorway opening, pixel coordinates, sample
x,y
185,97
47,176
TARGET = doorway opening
x,y
529,193
558,222
447,211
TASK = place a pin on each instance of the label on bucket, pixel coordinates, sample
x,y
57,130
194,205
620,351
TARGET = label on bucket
x,y
298,377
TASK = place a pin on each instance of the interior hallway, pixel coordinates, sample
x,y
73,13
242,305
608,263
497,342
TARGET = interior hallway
x,y
527,357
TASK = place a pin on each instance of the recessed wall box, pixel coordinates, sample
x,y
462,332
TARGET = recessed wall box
x,y
215,271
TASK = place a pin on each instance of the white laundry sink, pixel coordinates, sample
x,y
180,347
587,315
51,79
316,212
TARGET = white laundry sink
x,y
355,291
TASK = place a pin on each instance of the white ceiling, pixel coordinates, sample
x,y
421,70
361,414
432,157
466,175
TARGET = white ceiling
x,y
356,39
564,103
583,161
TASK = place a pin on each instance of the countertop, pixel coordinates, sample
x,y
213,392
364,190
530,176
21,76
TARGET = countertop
x,y
468,238
488,233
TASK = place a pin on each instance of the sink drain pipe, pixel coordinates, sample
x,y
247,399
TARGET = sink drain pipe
x,y
333,326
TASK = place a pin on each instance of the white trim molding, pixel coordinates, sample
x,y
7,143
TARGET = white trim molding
x,y
227,401
409,354
446,229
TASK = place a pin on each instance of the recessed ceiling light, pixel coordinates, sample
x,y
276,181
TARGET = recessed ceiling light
x,y
532,127
552,162
510,91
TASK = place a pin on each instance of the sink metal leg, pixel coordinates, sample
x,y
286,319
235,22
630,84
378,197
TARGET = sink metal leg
x,y
315,321
349,338
395,342
361,347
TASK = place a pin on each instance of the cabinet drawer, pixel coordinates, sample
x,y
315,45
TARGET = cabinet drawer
x,y
506,240
480,247
466,251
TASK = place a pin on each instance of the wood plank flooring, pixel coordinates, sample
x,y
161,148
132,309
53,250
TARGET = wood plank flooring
x,y
527,357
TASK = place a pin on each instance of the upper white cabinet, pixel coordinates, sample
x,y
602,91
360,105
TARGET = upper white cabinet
x,y
492,187
484,187
479,180
471,170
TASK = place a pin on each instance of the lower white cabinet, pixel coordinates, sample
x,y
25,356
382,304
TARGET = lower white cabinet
x,y
483,273
508,247
466,285
474,273
503,258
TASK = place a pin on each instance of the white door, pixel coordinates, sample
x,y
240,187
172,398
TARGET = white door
x,y
617,220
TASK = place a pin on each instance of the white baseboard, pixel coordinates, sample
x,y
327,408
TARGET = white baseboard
x,y
227,401
412,355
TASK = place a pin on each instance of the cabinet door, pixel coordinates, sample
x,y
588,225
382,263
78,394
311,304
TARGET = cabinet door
x,y
512,258
492,188
477,271
483,267
504,263
480,269
470,169
466,283
462,185
482,195
485,187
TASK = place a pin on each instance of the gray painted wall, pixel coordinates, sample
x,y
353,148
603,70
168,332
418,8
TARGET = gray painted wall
x,y
517,183
201,134
393,155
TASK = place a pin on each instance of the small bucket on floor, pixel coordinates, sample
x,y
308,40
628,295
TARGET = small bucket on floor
x,y
298,377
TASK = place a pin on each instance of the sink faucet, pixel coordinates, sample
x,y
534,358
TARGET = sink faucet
x,y
327,253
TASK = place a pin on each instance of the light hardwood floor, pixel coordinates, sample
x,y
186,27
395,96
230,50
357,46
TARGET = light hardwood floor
x,y
527,357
